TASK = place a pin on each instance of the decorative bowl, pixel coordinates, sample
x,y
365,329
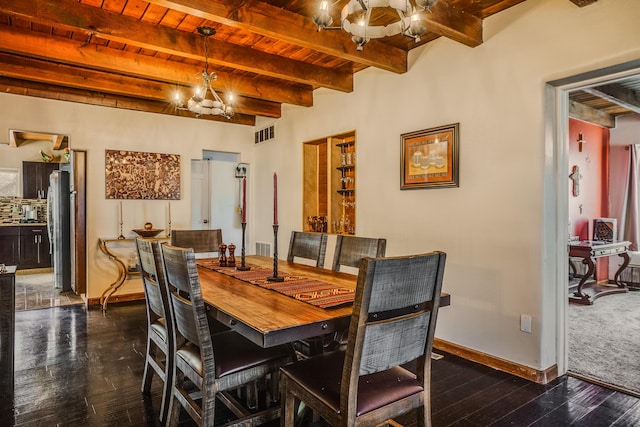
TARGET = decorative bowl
x,y
153,232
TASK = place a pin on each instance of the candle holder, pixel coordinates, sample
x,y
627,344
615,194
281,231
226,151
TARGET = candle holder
x,y
169,219
242,266
275,277
121,236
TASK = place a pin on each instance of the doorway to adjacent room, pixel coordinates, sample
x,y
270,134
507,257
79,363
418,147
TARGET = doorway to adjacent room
x,y
216,188
556,231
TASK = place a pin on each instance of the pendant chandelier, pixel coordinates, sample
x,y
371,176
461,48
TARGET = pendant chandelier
x,y
355,19
200,103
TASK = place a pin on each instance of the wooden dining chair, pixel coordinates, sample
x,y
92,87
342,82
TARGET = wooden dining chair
x,y
199,240
393,323
308,245
213,363
350,250
160,338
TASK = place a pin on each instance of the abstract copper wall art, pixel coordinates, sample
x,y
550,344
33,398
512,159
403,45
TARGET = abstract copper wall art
x,y
138,175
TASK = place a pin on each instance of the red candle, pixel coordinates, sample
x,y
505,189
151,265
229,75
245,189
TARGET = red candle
x,y
275,199
244,200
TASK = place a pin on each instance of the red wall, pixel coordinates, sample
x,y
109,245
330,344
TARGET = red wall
x,y
593,198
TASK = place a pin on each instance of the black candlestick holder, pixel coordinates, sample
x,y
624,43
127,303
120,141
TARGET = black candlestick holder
x,y
242,266
275,277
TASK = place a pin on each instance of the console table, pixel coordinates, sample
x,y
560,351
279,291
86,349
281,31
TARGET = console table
x,y
589,251
123,271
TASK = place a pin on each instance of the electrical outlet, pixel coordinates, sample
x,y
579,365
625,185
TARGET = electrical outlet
x,y
525,323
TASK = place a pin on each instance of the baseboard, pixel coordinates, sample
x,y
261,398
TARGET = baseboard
x,y
34,271
139,296
541,377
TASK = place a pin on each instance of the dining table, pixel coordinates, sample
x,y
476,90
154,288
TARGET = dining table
x,y
270,318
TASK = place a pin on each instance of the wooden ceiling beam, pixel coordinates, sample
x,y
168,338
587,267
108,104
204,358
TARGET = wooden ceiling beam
x,y
67,51
42,90
75,16
617,95
278,23
59,74
446,21
591,115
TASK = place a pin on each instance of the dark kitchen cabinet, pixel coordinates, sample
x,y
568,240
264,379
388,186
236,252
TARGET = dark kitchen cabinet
x,y
35,179
34,247
9,245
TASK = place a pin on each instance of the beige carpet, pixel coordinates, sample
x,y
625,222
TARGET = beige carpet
x,y
604,339
34,289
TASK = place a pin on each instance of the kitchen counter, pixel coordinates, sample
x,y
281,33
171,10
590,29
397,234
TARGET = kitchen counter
x,y
25,245
25,224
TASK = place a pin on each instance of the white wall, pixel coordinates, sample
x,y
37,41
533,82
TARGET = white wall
x,y
491,227
96,129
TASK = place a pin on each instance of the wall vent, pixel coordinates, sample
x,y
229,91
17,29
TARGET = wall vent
x,y
263,249
265,134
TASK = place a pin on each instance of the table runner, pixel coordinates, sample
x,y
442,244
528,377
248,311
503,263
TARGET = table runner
x,y
311,291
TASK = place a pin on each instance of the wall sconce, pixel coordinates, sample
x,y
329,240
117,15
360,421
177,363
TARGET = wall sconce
x,y
241,170
580,142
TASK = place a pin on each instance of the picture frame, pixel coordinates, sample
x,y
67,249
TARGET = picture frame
x,y
142,176
430,158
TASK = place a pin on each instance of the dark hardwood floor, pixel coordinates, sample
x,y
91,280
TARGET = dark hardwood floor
x,y
77,368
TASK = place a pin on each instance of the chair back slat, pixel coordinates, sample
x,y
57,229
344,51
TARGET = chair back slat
x,y
403,282
185,322
176,270
151,271
199,240
186,295
393,343
395,311
308,245
350,250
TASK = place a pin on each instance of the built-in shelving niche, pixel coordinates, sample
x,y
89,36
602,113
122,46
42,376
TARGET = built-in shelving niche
x,y
329,189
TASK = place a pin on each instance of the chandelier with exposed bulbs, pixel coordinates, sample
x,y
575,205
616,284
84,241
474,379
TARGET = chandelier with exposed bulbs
x,y
355,19
201,103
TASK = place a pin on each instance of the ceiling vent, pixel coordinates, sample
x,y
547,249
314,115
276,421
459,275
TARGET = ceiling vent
x,y
265,134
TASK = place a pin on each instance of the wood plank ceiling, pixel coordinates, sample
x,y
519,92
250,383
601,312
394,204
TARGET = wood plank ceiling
x,y
136,54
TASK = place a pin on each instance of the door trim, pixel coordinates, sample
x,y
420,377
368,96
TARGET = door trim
x,y
556,195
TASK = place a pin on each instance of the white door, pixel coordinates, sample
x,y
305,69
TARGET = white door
x,y
200,195
216,198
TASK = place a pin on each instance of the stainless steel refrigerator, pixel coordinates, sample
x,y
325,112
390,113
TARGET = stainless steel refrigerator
x,y
59,226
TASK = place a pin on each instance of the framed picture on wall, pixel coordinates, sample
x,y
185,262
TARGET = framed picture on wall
x,y
429,158
138,175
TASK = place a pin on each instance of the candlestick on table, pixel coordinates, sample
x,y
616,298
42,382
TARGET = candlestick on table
x,y
242,266
275,277
275,199
244,199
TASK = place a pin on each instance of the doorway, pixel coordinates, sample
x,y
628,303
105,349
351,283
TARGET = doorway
x,y
216,187
556,219
36,287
